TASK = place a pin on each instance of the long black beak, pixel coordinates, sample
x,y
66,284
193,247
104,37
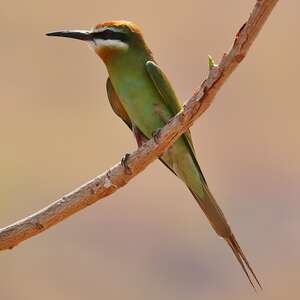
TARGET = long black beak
x,y
83,35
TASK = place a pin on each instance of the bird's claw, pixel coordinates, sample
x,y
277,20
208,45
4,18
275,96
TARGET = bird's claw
x,y
156,134
124,163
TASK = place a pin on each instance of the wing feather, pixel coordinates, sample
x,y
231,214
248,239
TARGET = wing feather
x,y
165,89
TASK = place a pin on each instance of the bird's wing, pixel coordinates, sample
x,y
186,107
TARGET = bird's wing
x,y
163,86
167,93
165,89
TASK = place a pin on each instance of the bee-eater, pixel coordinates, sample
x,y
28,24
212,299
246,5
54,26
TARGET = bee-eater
x,y
141,95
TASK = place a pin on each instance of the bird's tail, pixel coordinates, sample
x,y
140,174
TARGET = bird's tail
x,y
218,221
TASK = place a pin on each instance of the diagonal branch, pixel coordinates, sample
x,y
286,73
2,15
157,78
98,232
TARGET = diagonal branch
x,y
120,174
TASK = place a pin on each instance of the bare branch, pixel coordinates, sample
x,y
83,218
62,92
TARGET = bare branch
x,y
116,177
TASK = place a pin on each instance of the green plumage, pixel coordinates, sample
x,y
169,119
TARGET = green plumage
x,y
141,95
149,102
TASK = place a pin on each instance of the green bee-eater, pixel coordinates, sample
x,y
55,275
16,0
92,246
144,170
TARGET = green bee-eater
x,y
141,95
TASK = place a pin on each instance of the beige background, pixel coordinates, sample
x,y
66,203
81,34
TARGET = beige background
x,y
149,240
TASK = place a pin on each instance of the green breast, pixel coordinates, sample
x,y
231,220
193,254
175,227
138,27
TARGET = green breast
x,y
136,91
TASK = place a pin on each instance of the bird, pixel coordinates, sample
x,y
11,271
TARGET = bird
x,y
142,96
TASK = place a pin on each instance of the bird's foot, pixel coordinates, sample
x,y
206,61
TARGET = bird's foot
x,y
124,163
156,134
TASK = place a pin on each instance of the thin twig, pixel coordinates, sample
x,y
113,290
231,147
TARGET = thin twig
x,y
116,177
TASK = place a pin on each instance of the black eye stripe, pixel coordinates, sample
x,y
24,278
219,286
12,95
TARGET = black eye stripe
x,y
110,35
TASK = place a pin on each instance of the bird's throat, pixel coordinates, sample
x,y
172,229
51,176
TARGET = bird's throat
x,y
106,54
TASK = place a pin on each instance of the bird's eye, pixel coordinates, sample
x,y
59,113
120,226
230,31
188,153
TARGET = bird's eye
x,y
107,34
104,35
110,35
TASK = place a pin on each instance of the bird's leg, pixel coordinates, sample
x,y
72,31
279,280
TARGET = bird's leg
x,y
156,134
124,163
140,138
165,118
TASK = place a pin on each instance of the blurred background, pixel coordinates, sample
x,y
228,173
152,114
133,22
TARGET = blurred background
x,y
149,240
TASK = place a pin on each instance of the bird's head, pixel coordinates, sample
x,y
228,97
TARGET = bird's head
x,y
108,38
